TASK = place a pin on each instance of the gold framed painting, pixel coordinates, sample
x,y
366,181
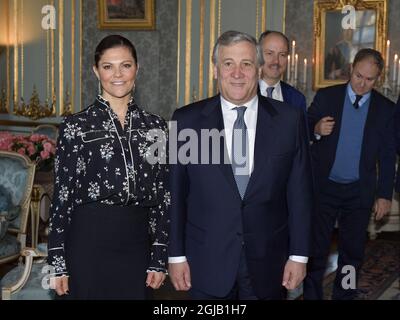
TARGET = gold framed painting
x,y
126,14
335,44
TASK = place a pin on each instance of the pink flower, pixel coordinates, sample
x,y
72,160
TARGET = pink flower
x,y
47,146
35,137
44,155
5,141
31,149
21,151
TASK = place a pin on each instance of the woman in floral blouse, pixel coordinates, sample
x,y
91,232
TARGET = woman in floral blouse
x,y
109,217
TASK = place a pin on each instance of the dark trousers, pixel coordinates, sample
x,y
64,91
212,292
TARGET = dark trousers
x,y
242,289
337,202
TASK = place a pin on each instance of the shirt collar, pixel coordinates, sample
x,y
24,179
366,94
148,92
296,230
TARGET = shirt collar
x,y
104,104
251,104
352,95
263,86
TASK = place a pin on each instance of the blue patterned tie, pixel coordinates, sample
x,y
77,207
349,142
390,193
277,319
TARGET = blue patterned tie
x,y
240,157
269,92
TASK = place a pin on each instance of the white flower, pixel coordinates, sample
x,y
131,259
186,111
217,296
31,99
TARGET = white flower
x,y
94,190
64,192
71,131
106,151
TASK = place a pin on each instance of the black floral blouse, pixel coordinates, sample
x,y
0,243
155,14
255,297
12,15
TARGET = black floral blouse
x,y
98,160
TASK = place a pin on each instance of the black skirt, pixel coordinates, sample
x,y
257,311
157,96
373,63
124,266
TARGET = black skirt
x,y
107,252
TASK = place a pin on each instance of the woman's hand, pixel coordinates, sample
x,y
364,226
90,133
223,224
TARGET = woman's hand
x,y
155,279
60,284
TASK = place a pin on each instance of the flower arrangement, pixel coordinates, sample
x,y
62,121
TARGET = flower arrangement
x,y
38,147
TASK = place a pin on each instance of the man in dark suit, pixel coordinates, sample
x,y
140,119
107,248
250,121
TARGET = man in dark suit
x,y
397,135
275,49
240,227
353,160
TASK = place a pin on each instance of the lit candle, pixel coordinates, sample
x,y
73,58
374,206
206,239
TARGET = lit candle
x,y
398,72
387,54
293,51
394,68
295,67
305,71
288,69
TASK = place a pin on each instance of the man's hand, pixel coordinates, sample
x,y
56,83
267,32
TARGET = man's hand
x,y
294,274
60,284
381,208
155,279
179,274
324,126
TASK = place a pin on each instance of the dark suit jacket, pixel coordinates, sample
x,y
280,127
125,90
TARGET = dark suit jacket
x,y
210,221
397,135
378,146
293,96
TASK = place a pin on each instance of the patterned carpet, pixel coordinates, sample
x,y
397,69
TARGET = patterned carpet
x,y
380,272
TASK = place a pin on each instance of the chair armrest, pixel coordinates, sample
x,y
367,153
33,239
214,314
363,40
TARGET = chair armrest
x,y
29,254
33,252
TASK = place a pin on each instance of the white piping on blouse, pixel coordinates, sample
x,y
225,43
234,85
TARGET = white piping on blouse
x,y
56,248
159,244
130,151
123,152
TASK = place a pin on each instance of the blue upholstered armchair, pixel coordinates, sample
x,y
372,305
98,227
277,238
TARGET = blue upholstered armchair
x,y
19,200
16,182
47,129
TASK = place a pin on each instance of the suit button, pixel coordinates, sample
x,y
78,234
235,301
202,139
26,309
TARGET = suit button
x,y
242,243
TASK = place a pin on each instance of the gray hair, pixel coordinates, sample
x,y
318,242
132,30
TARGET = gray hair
x,y
232,37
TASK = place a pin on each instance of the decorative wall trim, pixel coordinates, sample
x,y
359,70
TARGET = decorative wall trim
x,y
284,17
212,41
219,18
178,54
16,54
60,56
72,101
13,123
21,24
80,51
8,104
257,18
53,59
201,62
263,15
188,49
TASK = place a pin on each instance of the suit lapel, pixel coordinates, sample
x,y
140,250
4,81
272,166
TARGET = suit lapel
x,y
285,92
264,140
213,119
370,123
336,111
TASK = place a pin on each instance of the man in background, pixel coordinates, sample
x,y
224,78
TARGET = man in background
x,y
354,158
275,48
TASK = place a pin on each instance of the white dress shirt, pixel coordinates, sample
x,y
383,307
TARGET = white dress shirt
x,y
276,94
229,115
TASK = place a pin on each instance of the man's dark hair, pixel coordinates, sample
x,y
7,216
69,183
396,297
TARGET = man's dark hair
x,y
369,53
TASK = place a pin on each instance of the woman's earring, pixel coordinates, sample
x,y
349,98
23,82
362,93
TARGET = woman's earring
x,y
133,89
100,88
